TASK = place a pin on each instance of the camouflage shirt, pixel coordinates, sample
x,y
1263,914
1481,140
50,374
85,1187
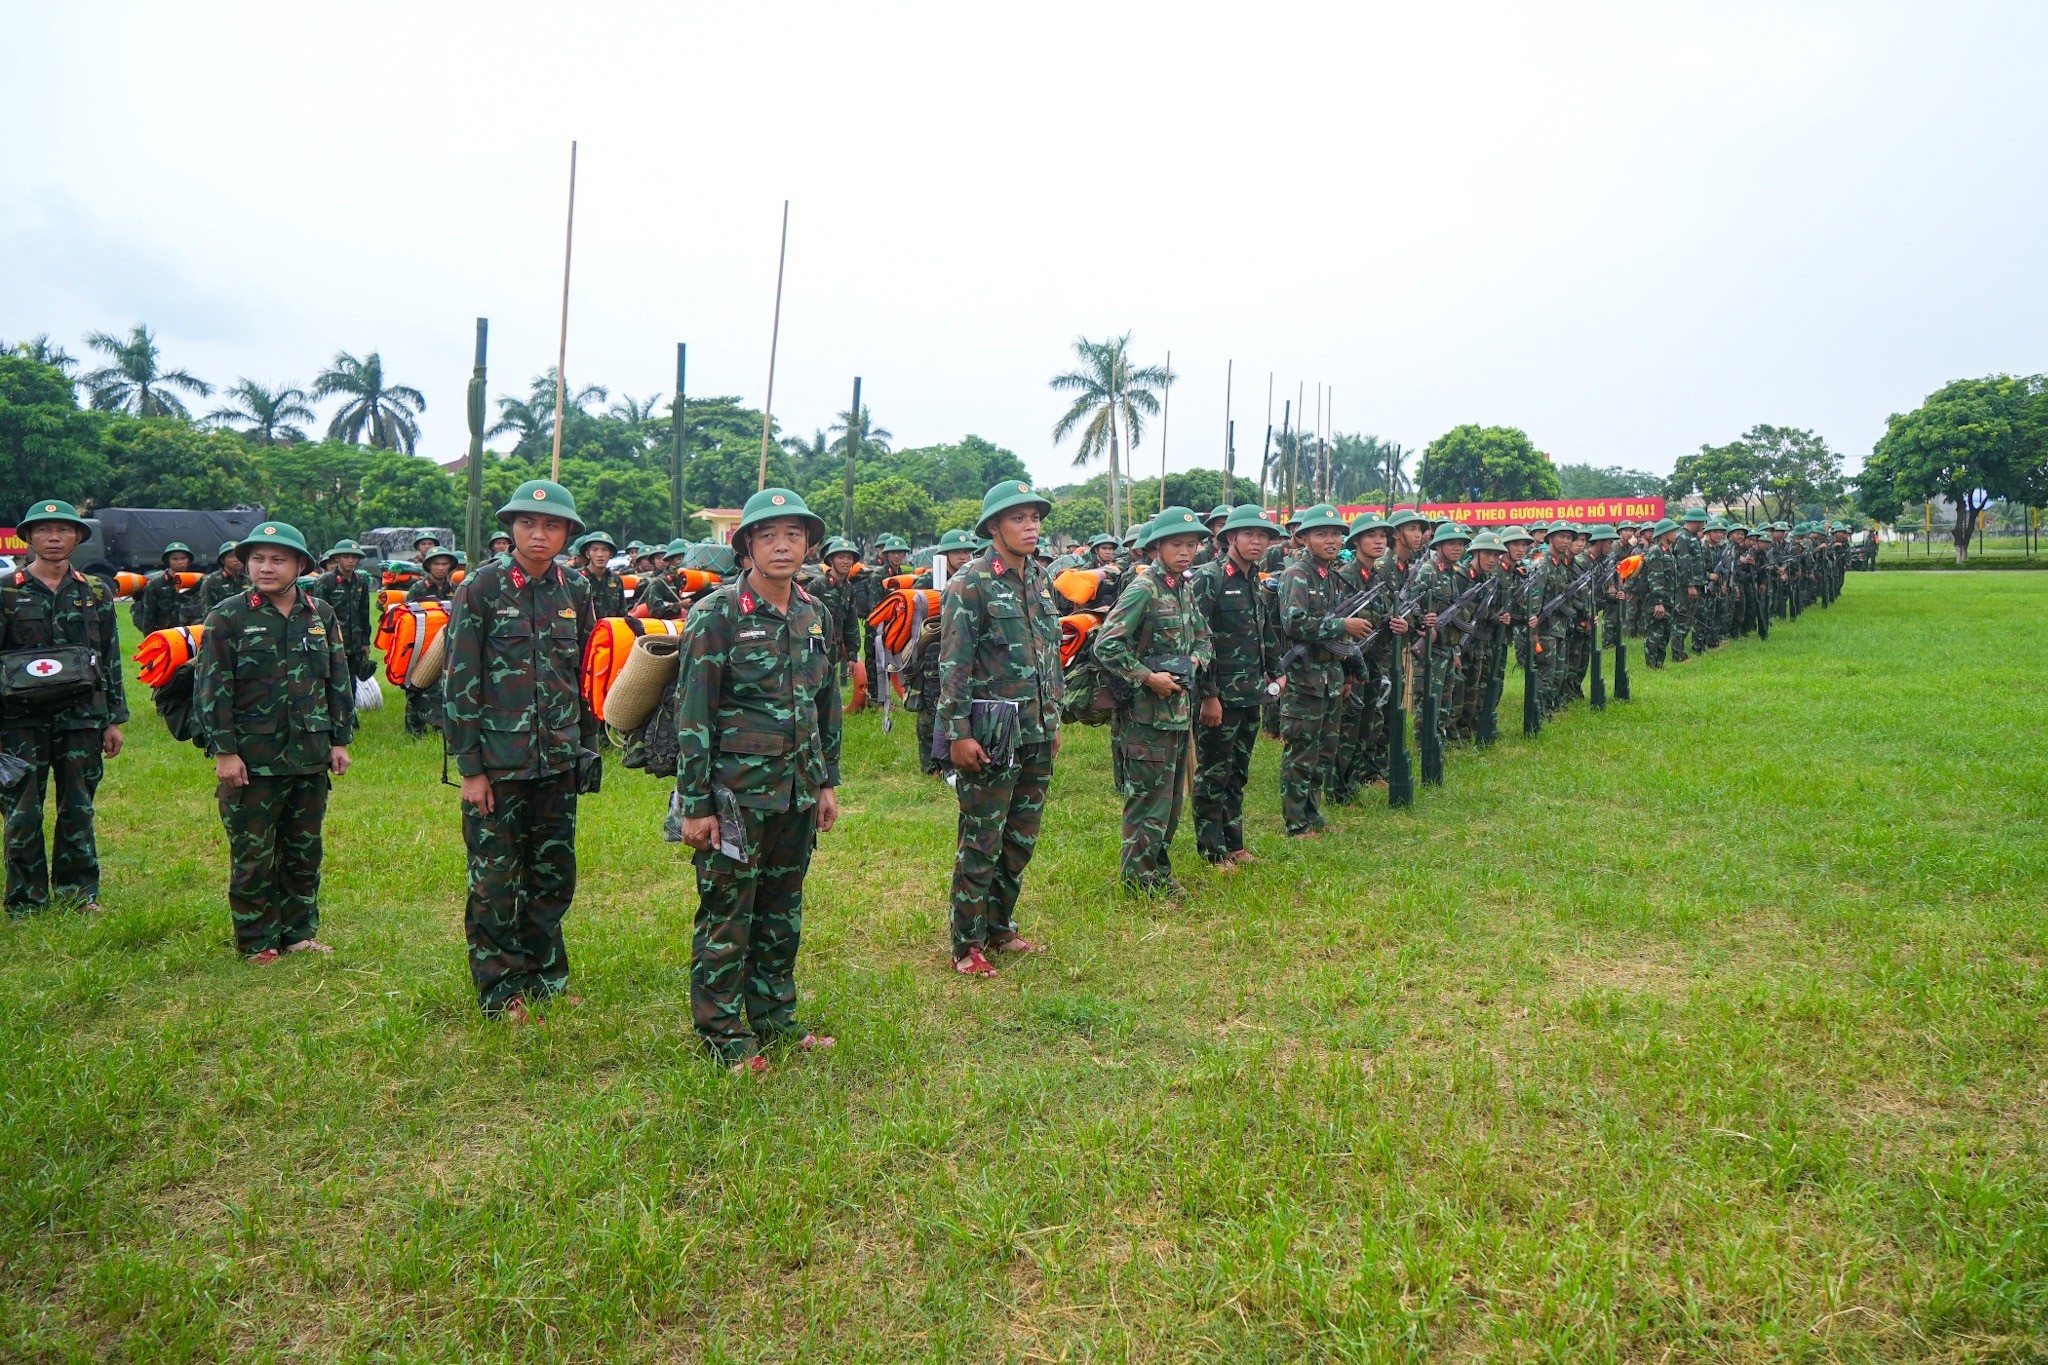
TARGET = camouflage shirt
x,y
1244,643
757,706
515,704
349,596
1000,640
1308,590
1694,559
607,593
1155,615
218,586
841,599
1657,583
79,612
164,604
1549,579
274,688
1436,588
427,590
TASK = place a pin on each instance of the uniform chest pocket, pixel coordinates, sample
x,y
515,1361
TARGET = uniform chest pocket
x,y
754,663
563,636
29,625
515,631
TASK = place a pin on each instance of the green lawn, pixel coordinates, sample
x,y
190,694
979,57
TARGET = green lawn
x,y
1709,1028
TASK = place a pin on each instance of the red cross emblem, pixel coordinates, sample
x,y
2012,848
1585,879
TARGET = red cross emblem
x,y
44,668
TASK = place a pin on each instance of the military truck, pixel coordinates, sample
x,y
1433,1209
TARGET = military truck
x,y
132,539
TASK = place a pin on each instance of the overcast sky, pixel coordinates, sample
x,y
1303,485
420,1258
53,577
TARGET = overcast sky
x,y
1627,229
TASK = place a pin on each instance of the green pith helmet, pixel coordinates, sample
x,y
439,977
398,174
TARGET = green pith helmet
x,y
1559,528
270,533
678,546
1602,533
1318,517
772,503
1005,495
888,541
346,546
1220,512
590,538
1716,524
1487,540
418,541
1447,533
1693,514
956,540
711,557
52,509
1363,522
1666,524
1735,526
1105,538
227,547
1173,521
1405,516
1249,516
1539,528
840,545
544,496
440,552
1513,534
180,547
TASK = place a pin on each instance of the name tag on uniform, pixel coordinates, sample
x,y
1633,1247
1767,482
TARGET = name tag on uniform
x,y
753,635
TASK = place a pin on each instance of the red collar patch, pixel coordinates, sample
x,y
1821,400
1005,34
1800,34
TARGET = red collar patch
x,y
255,599
747,603
997,565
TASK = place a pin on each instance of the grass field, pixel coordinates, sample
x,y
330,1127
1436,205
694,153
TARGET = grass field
x,y
1709,1028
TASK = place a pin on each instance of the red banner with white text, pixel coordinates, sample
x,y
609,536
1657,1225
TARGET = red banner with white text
x,y
1585,511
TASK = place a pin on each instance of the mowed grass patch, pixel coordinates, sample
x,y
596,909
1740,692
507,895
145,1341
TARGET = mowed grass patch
x,y
1709,1028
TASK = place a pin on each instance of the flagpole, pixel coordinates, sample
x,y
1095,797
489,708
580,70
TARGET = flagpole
x,y
562,347
774,340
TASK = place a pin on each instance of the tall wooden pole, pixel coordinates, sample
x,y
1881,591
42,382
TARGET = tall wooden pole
x,y
1266,453
1294,457
1319,480
1165,417
853,425
774,340
473,523
562,349
679,447
1286,423
1330,446
1229,445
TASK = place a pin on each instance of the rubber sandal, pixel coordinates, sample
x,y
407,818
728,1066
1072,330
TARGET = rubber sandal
x,y
816,1042
756,1065
516,1012
307,945
264,958
973,964
1244,857
1016,943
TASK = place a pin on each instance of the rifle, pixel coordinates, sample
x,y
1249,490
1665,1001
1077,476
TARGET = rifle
x,y
1400,776
1496,678
1432,699
1349,607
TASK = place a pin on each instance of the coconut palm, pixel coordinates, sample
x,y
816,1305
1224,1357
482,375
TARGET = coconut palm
x,y
39,349
874,440
635,413
531,420
390,412
1107,389
135,382
264,416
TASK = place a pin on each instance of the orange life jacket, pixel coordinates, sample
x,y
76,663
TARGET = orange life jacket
x,y
130,584
164,652
1078,585
408,628
606,653
1074,633
900,615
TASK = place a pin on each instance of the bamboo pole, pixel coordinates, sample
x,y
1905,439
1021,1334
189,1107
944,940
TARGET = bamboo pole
x,y
852,448
473,520
1266,454
678,444
774,340
1229,444
1165,416
562,346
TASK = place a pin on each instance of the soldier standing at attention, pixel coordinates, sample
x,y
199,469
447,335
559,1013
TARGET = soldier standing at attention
x,y
999,683
757,732
1308,589
345,588
275,702
594,551
1157,641
1437,586
1551,577
51,611
842,566
1691,553
225,581
525,743
1243,651
164,603
1656,592
957,547
423,705
1362,743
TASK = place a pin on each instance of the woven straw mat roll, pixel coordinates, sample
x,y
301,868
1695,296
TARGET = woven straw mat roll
x,y
648,669
427,664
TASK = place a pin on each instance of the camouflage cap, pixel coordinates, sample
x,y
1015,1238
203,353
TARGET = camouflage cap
x,y
52,509
1005,495
1171,522
544,496
278,533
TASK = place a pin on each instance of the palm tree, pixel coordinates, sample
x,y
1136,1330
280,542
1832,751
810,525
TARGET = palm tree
x,y
267,415
532,419
134,383
635,413
874,440
390,411
39,349
1106,388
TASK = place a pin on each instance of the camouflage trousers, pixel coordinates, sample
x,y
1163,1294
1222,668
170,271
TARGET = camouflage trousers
x,y
1000,811
1680,615
274,854
1155,775
750,918
423,711
1553,668
1309,739
1656,637
926,728
1477,657
522,876
72,761
1578,655
1361,735
1446,682
1223,764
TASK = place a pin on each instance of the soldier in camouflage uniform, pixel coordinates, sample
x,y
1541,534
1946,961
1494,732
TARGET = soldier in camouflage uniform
x,y
757,734
164,603
1515,567
1551,577
1308,588
1154,628
1361,757
1691,553
1243,647
1436,586
525,742
423,705
275,703
1657,587
48,603
225,581
346,589
999,645
1485,623
958,548
593,555
840,597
